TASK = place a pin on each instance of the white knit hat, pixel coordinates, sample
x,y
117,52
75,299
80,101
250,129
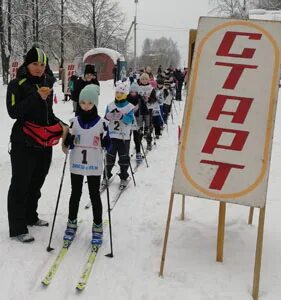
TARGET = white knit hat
x,y
122,88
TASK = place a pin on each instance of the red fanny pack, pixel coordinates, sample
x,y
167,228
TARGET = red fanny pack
x,y
46,136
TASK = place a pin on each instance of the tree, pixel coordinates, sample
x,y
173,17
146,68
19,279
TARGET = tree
x,y
5,38
65,29
104,19
269,4
160,51
230,8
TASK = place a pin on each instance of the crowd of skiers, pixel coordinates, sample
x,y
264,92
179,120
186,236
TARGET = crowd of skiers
x,y
140,110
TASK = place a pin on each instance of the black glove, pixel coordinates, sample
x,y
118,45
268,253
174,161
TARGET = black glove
x,y
106,142
69,141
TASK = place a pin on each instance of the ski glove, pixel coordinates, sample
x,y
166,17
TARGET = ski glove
x,y
69,141
106,143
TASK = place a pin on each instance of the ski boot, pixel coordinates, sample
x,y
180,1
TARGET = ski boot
x,y
123,184
97,234
138,158
70,232
103,183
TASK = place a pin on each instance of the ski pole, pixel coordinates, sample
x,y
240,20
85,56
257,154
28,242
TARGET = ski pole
x,y
132,172
49,248
171,112
108,205
143,153
129,158
173,102
154,138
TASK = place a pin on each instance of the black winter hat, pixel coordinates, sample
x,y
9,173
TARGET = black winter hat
x,y
90,69
35,55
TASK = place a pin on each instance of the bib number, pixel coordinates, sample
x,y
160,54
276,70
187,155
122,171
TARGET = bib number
x,y
84,160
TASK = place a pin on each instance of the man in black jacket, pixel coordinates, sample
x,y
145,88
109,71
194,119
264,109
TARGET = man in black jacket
x,y
178,74
90,77
29,100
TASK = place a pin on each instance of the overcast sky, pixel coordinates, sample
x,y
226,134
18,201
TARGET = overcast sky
x,y
168,18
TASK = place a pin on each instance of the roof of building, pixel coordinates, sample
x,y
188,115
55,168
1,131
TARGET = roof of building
x,y
114,55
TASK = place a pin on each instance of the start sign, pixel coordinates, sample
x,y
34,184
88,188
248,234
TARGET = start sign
x,y
227,131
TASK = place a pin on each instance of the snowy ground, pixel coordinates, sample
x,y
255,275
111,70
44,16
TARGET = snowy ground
x,y
138,223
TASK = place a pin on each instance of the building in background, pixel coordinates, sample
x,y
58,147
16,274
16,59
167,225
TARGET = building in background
x,y
108,62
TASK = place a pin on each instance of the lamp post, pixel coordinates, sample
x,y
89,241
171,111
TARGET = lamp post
x,y
62,35
135,37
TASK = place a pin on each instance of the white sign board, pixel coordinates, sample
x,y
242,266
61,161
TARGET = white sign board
x,y
226,137
14,66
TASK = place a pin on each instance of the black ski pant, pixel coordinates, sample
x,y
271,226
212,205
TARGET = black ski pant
x,y
166,112
157,123
179,90
76,192
30,167
122,147
137,140
145,124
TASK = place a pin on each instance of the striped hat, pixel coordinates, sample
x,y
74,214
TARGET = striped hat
x,y
35,55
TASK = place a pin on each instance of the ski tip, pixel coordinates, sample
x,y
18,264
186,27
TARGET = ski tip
x,y
80,287
44,282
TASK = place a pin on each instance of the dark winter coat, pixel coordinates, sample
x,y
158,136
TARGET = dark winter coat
x,y
138,100
25,104
179,75
80,83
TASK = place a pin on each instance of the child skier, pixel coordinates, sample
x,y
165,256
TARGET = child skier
x,y
120,115
140,112
157,112
149,96
88,136
168,99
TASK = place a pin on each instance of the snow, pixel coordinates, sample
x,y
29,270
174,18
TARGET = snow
x,y
138,224
114,55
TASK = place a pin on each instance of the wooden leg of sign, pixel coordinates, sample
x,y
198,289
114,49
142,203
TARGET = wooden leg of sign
x,y
251,213
257,269
221,226
183,207
166,234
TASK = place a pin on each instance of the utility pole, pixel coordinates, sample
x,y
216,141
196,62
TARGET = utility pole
x,y
135,37
62,35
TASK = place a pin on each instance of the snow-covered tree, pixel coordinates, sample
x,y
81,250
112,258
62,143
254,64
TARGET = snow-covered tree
x,y
231,8
104,20
64,29
269,4
160,51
